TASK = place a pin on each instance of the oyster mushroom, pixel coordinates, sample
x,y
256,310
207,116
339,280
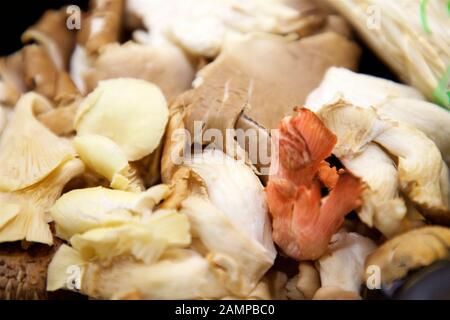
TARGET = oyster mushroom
x,y
179,274
105,157
165,65
12,83
132,113
236,92
383,207
391,100
410,251
421,179
247,251
125,249
184,22
343,265
82,210
28,150
24,213
52,33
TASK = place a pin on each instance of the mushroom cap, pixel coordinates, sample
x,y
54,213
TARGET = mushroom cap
x,y
409,251
131,112
165,65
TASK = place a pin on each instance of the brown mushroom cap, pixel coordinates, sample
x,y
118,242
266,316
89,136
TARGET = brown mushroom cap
x,y
23,273
166,66
42,76
12,78
409,251
102,26
52,33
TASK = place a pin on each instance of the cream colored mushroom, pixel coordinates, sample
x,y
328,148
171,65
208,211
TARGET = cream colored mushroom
x,y
184,22
82,210
179,274
421,179
391,100
165,65
24,213
105,157
132,113
343,265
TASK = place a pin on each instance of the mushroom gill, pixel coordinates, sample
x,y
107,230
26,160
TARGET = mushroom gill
x,y
24,213
28,150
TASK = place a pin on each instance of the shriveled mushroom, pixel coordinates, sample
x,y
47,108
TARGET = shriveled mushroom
x,y
343,265
53,35
410,251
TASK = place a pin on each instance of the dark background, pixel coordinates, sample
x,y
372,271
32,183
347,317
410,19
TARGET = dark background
x,y
17,15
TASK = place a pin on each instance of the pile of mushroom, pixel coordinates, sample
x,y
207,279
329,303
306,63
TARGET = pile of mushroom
x,y
113,187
